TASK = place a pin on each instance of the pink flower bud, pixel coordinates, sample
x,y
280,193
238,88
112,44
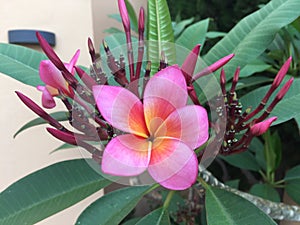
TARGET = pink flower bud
x,y
141,20
87,80
124,15
50,53
189,63
261,127
284,89
281,73
235,79
63,136
38,110
215,66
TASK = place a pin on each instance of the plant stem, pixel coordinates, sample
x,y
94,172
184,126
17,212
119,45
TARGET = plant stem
x,y
168,199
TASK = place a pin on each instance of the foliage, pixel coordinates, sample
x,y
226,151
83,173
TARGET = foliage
x,y
261,42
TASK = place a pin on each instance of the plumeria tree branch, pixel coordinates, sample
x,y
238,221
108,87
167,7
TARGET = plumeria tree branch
x,y
275,210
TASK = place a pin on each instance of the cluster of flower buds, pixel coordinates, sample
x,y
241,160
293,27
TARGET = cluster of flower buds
x,y
250,123
77,95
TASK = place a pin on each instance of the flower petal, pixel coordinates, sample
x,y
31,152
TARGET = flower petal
x,y
188,124
126,155
173,164
121,108
73,61
47,98
50,75
164,92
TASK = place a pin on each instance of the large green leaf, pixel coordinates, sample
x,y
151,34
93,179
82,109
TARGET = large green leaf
x,y
159,216
286,109
272,151
180,26
193,35
48,191
59,116
21,63
113,207
224,207
292,179
257,147
252,35
250,81
244,160
132,221
256,66
159,33
265,191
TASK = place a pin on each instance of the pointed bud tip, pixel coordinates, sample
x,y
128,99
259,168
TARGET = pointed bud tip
x,y
50,52
141,20
281,73
196,49
90,44
220,63
285,88
237,74
124,15
223,76
261,127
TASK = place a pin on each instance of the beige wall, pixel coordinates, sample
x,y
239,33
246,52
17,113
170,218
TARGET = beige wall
x,y
102,21
71,21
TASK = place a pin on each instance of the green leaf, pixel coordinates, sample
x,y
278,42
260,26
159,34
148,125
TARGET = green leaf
x,y
272,151
250,81
244,160
292,179
21,63
159,216
59,116
116,17
179,27
233,183
159,33
113,207
63,147
132,221
215,34
224,207
297,118
193,35
256,66
286,109
253,34
265,191
48,191
113,30
257,147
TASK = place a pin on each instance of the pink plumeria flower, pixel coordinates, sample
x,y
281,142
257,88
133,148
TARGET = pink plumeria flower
x,y
55,82
161,133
